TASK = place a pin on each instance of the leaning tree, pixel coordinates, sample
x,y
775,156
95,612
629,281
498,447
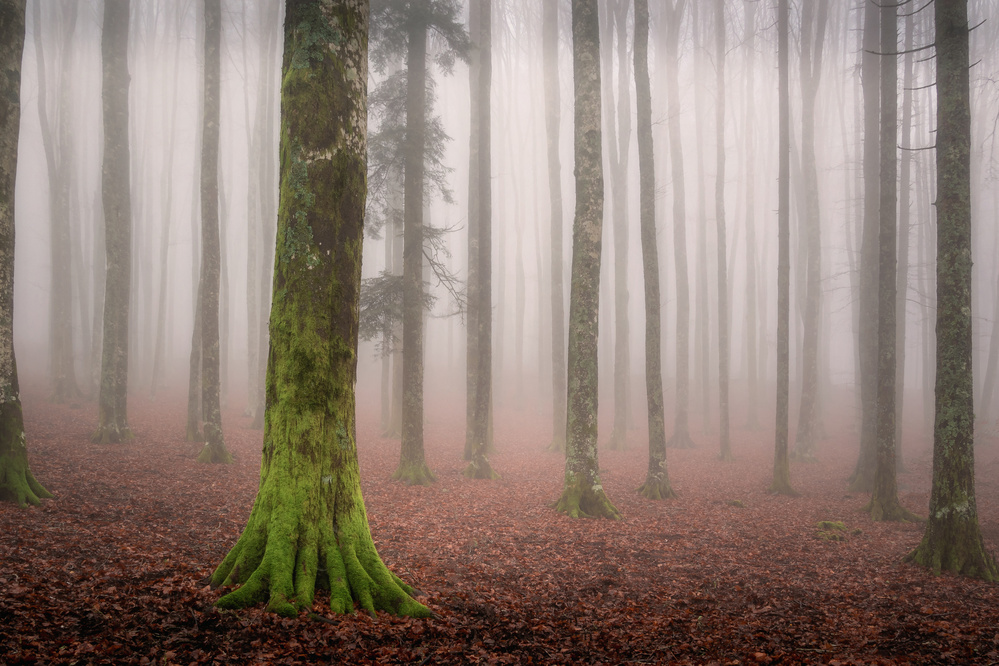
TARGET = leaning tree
x,y
308,526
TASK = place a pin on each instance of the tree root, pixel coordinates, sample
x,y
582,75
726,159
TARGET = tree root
x,y
479,468
656,488
680,440
590,502
962,554
890,511
414,474
18,484
112,433
215,454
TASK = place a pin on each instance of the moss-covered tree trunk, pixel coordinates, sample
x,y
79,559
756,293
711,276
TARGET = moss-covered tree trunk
x,y
657,485
681,425
582,494
953,539
782,467
16,480
479,467
413,468
308,525
862,479
884,504
553,104
113,413
211,410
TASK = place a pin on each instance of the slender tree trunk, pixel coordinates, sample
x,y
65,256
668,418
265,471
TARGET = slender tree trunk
x,y
953,538
215,450
724,349
479,467
472,336
113,413
752,378
681,425
782,469
657,485
413,468
862,479
702,336
552,121
582,493
16,480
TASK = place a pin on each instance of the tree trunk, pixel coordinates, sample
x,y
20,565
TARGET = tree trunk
x,y
413,468
582,493
113,413
813,26
782,469
308,526
472,286
215,450
752,378
657,485
552,121
862,479
725,444
16,481
953,538
479,467
681,426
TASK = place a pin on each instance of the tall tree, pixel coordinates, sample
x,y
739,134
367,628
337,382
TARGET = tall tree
x,y
211,410
308,525
813,28
657,485
16,481
884,504
582,493
752,374
553,114
681,425
725,444
862,479
113,424
472,283
782,468
479,467
953,539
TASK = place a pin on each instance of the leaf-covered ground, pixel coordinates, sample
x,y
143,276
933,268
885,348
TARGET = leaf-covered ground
x,y
112,570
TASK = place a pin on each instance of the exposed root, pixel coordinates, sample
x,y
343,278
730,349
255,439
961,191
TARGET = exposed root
x,y
656,488
479,468
18,484
890,510
414,474
215,454
964,555
590,502
112,433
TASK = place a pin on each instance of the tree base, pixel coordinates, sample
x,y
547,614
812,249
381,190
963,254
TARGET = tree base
x,y
557,445
680,440
589,502
890,510
283,556
861,483
112,433
803,455
215,454
617,441
18,484
656,488
782,487
726,456
959,549
479,468
414,474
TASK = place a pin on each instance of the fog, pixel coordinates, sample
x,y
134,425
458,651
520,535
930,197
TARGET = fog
x,y
61,70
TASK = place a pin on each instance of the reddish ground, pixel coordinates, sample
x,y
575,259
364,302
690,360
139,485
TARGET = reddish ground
x,y
112,570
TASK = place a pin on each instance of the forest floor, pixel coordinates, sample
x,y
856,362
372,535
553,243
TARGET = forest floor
x,y
112,569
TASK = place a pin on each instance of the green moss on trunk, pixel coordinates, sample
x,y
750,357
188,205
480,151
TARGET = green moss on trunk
x,y
308,526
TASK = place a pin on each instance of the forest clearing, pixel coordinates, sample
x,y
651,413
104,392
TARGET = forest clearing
x,y
113,569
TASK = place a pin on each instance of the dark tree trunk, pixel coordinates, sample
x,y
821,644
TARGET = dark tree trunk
x,y
657,485
16,481
113,413
582,493
474,256
752,378
953,538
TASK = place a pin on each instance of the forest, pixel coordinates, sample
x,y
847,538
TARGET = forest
x,y
499,331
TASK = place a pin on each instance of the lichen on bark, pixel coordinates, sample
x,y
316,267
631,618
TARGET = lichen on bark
x,y
308,527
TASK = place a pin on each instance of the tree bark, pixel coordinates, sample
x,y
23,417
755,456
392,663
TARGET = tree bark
x,y
724,439
16,480
953,539
113,413
582,493
215,450
752,378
